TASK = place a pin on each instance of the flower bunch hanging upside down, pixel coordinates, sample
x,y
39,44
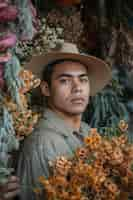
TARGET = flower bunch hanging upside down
x,y
101,169
24,120
30,81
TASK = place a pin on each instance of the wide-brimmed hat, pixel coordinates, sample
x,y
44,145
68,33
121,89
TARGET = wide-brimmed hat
x,y
99,72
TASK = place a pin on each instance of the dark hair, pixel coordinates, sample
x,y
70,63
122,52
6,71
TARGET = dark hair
x,y
48,69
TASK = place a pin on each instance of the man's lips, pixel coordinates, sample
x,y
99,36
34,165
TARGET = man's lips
x,y
78,100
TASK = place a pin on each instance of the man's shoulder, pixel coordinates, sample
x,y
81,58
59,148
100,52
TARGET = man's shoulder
x,y
42,135
46,144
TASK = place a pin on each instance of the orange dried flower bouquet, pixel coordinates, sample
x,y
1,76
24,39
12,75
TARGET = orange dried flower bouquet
x,y
24,119
100,170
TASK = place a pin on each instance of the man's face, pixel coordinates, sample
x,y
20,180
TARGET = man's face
x,y
70,88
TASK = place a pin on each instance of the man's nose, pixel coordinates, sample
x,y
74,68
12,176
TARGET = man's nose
x,y
77,86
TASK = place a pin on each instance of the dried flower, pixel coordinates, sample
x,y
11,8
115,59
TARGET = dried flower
x,y
37,191
23,120
5,57
62,165
46,39
81,153
8,14
30,81
2,81
101,169
7,41
123,126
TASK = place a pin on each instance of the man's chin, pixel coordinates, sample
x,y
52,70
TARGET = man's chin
x,y
76,111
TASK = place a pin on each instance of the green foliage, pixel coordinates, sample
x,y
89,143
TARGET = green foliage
x,y
12,69
24,28
8,142
107,108
108,111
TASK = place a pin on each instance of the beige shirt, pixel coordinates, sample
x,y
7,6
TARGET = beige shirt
x,y
51,138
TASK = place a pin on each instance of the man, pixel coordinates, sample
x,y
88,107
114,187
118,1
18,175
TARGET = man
x,y
68,79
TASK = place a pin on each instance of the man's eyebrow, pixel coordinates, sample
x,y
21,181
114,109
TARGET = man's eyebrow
x,y
71,75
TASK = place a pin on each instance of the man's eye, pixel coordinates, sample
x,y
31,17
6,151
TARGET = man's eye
x,y
84,80
64,80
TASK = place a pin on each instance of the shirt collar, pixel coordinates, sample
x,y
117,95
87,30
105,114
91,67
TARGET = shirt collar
x,y
60,126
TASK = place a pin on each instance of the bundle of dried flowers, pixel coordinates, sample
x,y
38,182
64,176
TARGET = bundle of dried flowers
x,y
24,119
101,169
46,38
53,29
17,22
70,23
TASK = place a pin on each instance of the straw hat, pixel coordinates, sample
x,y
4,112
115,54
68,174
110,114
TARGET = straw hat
x,y
98,71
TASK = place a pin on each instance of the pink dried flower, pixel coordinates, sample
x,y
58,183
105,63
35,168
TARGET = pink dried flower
x,y
4,1
1,70
1,77
8,13
5,58
3,5
7,41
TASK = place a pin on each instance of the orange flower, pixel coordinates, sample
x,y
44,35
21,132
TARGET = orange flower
x,y
111,186
93,171
92,142
88,140
123,126
123,139
117,156
81,153
107,146
42,180
29,81
37,190
62,165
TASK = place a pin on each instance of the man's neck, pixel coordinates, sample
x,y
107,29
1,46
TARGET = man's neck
x,y
72,120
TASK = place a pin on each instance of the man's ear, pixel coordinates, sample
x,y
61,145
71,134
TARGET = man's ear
x,y
45,88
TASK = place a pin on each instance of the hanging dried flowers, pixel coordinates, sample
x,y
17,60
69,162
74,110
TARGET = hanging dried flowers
x,y
46,38
17,21
24,119
8,13
56,28
70,23
101,169
1,76
7,41
29,79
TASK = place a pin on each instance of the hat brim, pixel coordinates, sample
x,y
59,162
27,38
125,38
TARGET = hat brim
x,y
99,72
